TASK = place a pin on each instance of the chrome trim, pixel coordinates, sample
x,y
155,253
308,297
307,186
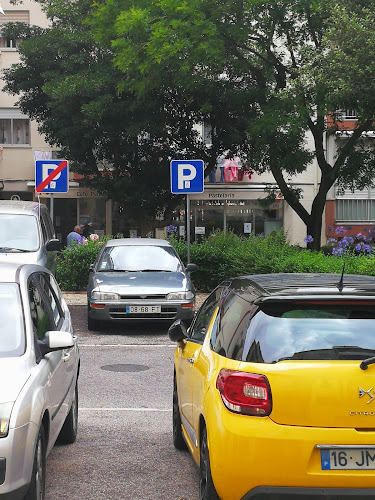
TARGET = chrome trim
x,y
192,434
345,446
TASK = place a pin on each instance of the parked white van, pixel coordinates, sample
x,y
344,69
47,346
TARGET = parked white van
x,y
27,235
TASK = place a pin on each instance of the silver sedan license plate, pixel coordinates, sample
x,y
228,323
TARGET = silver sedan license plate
x,y
143,309
347,458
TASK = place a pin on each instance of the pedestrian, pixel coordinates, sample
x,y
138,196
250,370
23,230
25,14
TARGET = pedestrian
x,y
75,237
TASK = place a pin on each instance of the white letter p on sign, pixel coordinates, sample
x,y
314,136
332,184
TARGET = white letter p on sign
x,y
185,178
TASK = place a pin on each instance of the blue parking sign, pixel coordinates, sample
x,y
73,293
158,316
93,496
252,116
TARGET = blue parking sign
x,y
187,176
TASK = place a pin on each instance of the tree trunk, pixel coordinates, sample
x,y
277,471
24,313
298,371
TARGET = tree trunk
x,y
315,222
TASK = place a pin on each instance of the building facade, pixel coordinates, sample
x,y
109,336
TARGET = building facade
x,y
231,200
352,210
21,144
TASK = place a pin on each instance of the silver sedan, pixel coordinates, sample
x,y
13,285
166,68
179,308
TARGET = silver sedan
x,y
139,279
39,369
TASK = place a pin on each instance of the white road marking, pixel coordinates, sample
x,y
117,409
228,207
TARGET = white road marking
x,y
125,345
125,409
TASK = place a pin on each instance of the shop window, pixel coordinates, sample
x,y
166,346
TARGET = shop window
x,y
14,131
92,213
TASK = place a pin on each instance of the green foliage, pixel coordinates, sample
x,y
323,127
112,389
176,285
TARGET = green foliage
x,y
72,271
223,256
120,142
262,74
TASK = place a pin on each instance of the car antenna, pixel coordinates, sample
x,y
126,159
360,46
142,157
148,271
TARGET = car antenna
x,y
340,284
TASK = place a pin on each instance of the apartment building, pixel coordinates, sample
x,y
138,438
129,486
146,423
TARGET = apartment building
x,y
21,144
230,200
355,211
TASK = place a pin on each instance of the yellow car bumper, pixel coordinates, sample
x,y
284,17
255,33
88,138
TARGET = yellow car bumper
x,y
249,453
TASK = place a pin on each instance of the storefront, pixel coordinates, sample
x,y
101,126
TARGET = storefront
x,y
237,210
80,206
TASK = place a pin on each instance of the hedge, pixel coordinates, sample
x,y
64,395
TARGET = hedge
x,y
224,255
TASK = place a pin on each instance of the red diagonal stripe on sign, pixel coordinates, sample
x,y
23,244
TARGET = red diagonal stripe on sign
x,y
51,176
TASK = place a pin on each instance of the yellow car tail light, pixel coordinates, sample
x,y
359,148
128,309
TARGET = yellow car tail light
x,y
245,393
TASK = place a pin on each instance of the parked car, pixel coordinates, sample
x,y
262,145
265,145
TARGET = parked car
x,y
139,279
274,387
27,234
39,369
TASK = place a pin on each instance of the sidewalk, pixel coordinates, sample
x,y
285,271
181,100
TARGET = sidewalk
x,y
80,299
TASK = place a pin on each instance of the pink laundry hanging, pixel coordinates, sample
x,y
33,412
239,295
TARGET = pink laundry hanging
x,y
230,169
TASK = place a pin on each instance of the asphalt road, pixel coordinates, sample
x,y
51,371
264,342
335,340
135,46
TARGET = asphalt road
x,y
124,448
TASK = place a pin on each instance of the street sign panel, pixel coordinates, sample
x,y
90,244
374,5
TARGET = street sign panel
x,y
187,176
51,176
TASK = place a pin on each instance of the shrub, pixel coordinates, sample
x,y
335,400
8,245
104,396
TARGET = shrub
x,y
221,256
72,271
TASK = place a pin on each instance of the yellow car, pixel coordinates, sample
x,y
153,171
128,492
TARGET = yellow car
x,y
274,387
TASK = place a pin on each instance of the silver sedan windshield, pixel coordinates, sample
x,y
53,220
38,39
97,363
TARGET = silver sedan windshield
x,y
12,335
139,258
18,233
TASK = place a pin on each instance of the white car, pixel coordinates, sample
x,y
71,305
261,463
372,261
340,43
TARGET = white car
x,y
39,371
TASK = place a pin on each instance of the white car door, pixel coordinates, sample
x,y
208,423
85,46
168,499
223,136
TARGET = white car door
x,y
47,315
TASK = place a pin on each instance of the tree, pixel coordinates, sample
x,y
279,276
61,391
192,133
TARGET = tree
x,y
274,69
119,141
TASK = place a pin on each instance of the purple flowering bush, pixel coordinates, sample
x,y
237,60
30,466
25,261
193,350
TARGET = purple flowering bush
x,y
344,243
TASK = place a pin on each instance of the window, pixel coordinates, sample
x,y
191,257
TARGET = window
x,y
357,206
51,299
41,314
56,289
234,320
14,131
19,232
334,332
207,134
349,114
198,329
13,16
140,258
8,43
12,330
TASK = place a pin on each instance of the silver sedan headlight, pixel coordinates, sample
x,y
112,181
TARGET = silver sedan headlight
x,y
180,296
5,412
95,295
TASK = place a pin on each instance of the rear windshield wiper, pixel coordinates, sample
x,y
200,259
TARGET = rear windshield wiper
x,y
352,352
366,362
340,352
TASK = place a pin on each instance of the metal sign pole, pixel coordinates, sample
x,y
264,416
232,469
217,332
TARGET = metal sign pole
x,y
187,219
51,208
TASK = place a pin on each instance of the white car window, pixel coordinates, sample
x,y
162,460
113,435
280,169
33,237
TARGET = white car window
x,y
50,297
139,258
12,331
18,232
41,313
